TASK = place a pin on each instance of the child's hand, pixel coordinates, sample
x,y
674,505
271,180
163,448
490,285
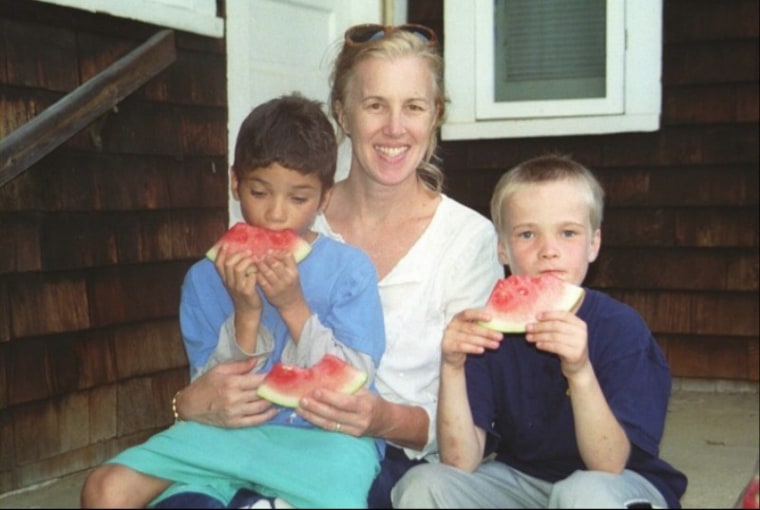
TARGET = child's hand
x,y
465,336
239,276
277,275
564,334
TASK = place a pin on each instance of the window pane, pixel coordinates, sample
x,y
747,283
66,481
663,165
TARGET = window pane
x,y
549,49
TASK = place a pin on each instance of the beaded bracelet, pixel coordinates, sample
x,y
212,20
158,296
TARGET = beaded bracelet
x,y
174,407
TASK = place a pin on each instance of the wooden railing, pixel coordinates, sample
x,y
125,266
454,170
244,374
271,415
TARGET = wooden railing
x,y
73,112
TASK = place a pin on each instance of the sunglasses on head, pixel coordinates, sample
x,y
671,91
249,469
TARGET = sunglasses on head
x,y
360,34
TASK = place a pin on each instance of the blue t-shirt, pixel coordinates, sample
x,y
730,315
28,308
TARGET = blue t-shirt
x,y
519,396
339,284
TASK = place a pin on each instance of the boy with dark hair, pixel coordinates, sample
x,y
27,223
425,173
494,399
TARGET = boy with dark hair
x,y
285,159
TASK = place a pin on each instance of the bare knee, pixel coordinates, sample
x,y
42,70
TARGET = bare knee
x,y
116,486
95,491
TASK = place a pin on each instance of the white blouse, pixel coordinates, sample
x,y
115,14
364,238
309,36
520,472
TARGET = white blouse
x,y
452,266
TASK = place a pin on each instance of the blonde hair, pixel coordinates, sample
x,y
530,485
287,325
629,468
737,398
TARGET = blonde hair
x,y
394,44
546,168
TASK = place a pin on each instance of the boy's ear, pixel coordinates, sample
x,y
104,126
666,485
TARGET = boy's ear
x,y
503,257
596,244
234,183
326,194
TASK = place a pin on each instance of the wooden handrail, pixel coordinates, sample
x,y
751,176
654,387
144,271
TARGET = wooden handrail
x,y
70,114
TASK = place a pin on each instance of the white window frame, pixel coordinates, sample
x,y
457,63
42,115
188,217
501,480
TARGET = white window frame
x,y
195,16
611,103
468,23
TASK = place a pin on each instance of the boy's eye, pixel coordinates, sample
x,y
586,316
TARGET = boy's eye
x,y
300,200
525,235
569,233
257,193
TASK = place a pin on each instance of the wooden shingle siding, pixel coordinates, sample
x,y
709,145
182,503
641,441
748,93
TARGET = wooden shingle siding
x,y
38,56
5,332
96,237
703,20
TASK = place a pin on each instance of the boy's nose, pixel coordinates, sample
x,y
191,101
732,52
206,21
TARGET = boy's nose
x,y
276,212
548,251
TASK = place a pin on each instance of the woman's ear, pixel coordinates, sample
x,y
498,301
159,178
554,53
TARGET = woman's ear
x,y
341,116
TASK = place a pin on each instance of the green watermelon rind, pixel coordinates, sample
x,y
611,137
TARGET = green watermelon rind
x,y
300,249
291,399
571,297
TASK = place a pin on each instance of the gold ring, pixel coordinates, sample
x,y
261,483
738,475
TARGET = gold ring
x,y
337,426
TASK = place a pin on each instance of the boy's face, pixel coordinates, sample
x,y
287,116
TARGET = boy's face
x,y
549,230
277,198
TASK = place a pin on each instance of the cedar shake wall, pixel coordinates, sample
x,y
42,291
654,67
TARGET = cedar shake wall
x,y
96,237
680,236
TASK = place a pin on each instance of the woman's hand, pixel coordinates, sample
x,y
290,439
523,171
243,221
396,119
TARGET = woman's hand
x,y
367,414
355,413
225,396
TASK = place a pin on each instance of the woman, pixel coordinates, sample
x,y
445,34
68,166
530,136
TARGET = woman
x,y
434,256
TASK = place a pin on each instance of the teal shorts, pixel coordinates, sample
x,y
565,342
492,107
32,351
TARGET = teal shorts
x,y
306,467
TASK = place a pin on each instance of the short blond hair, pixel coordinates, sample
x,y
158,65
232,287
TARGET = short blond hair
x,y
546,168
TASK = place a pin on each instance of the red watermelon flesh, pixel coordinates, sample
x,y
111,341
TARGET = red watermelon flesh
x,y
516,300
286,384
261,241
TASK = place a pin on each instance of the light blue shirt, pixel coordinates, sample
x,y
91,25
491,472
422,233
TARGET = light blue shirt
x,y
339,284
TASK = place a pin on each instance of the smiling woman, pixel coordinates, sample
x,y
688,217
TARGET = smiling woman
x,y
433,255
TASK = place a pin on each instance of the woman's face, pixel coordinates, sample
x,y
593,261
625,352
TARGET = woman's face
x,y
389,115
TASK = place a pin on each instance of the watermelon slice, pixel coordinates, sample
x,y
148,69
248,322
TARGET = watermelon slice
x,y
515,301
261,241
286,384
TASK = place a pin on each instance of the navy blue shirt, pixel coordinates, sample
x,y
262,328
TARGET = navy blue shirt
x,y
519,396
